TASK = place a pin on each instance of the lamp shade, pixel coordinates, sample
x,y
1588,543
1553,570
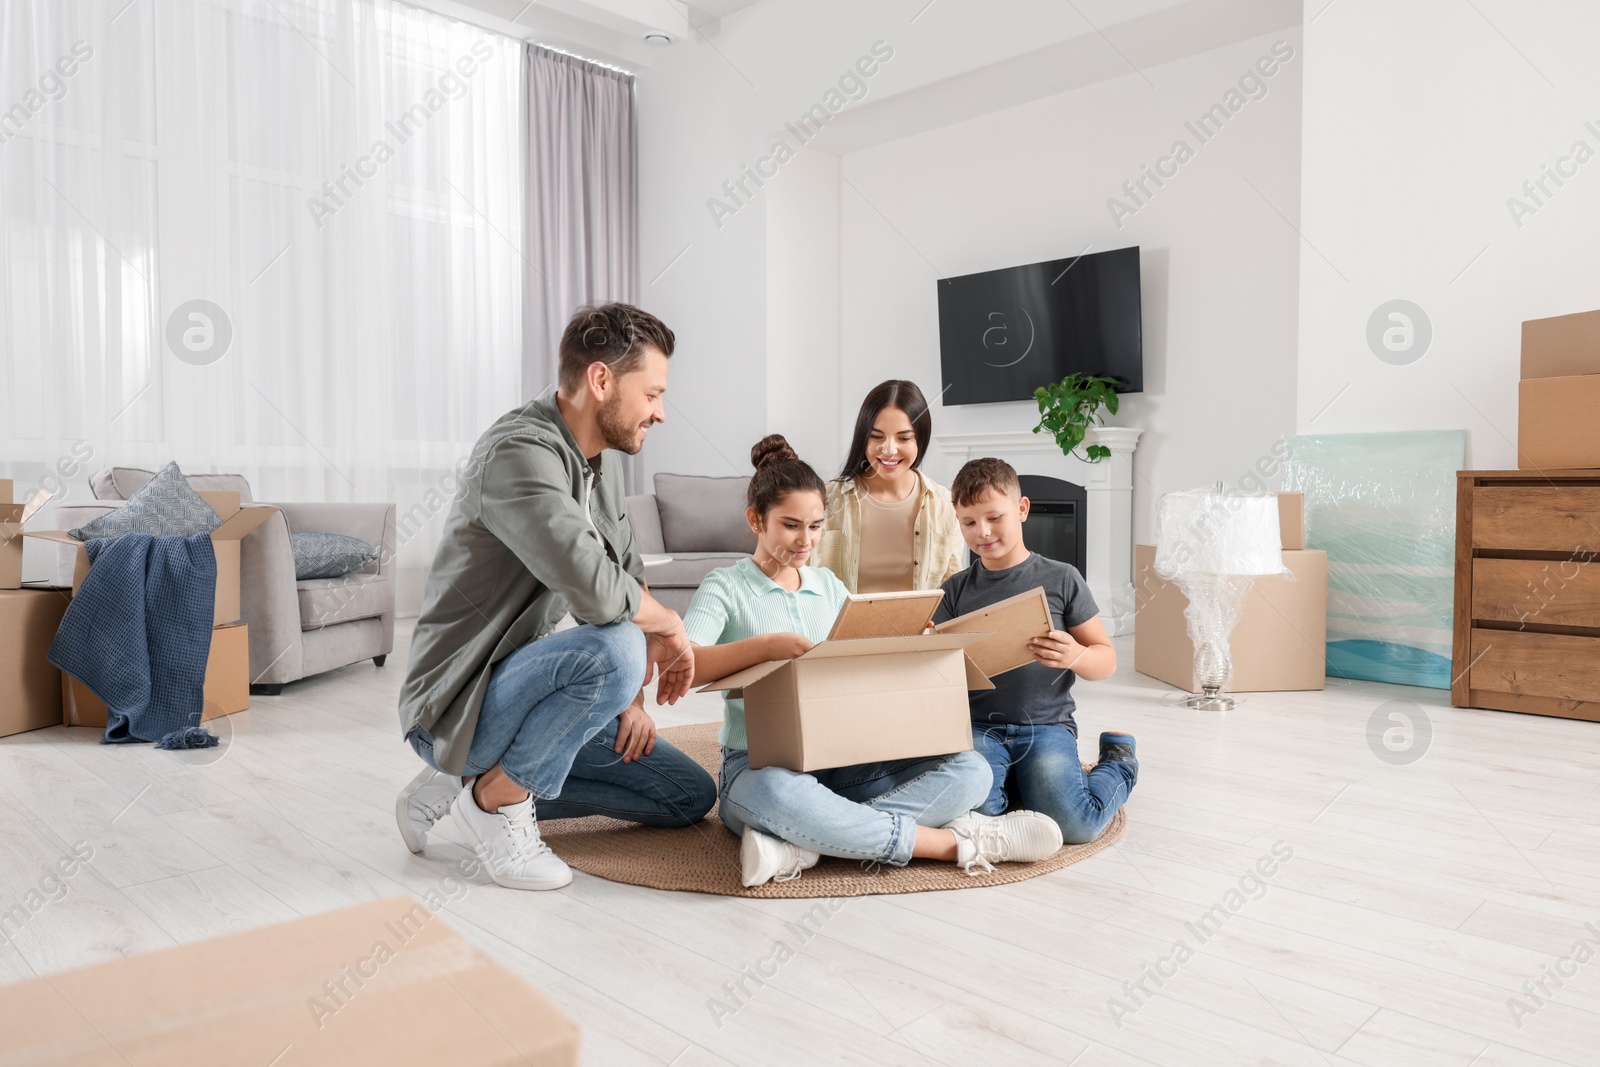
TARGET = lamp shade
x,y
1218,531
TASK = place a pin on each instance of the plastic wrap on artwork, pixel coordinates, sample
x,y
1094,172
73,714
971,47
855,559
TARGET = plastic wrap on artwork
x,y
1213,544
1383,506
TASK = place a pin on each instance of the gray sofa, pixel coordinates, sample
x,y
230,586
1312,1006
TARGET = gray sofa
x,y
697,521
297,628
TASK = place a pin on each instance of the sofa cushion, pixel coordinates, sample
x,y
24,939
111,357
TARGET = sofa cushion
x,y
324,601
701,514
165,505
329,555
689,569
121,483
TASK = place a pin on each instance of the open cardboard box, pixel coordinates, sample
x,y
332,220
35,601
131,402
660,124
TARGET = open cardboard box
x,y
227,686
12,518
859,701
236,522
382,982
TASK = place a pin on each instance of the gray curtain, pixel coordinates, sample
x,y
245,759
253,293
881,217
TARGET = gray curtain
x,y
582,208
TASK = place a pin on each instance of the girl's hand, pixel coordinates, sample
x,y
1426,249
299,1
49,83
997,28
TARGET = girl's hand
x,y
787,646
1056,649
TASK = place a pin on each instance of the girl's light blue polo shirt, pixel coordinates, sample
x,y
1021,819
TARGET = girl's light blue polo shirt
x,y
737,602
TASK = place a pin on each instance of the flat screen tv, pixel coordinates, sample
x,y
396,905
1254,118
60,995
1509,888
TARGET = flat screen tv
x,y
1004,333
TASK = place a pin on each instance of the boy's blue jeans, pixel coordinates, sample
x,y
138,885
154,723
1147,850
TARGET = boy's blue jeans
x,y
549,719
1037,768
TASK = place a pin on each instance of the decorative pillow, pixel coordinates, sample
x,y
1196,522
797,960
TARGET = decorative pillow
x,y
329,555
166,505
701,514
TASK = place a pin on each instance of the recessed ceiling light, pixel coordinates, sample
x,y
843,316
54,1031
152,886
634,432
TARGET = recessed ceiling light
x,y
656,37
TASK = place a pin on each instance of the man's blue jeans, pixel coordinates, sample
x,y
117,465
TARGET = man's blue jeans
x,y
867,812
549,720
1037,768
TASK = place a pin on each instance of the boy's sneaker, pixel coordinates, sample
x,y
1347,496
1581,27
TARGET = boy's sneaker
x,y
423,802
1120,748
508,843
985,840
764,858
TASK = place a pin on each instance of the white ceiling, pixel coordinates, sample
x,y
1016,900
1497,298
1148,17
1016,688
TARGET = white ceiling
x,y
611,30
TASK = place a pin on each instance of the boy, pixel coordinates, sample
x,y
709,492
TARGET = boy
x,y
1024,725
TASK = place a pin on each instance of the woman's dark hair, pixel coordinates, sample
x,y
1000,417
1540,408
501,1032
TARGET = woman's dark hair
x,y
895,393
779,472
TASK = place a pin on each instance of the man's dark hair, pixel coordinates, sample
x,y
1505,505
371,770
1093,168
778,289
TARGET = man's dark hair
x,y
613,334
977,476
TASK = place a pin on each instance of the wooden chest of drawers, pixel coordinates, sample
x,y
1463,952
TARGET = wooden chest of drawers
x,y
1527,598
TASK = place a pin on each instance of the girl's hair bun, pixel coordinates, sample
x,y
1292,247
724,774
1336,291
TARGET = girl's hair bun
x,y
772,448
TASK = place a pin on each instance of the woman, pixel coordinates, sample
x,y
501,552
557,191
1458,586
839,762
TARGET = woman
x,y
772,606
889,526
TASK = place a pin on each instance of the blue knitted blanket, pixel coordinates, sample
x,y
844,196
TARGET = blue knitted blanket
x,y
138,632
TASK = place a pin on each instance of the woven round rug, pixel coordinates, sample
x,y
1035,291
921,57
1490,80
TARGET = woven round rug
x,y
704,858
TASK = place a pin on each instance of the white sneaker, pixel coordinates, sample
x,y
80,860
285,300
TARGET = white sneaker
x,y
764,858
985,840
508,843
423,802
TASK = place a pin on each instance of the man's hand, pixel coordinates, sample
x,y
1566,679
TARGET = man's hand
x,y
671,653
636,733
1056,649
787,646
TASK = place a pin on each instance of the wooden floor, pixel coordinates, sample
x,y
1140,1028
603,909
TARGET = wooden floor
x,y
1418,900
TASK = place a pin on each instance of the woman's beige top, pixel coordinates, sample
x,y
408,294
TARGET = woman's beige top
x,y
937,549
888,538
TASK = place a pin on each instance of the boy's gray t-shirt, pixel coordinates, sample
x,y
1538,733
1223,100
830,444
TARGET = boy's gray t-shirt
x,y
1033,694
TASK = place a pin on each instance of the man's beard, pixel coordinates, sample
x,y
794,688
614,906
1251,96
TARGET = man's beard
x,y
615,431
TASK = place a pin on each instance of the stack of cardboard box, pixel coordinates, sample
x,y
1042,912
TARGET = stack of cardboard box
x,y
1560,393
1281,640
227,685
28,620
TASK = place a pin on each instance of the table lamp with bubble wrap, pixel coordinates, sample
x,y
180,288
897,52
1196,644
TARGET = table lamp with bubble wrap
x,y
1213,544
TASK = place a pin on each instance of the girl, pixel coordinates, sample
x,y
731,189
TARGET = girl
x,y
773,606
890,527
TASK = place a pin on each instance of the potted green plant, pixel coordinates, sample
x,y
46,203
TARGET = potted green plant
x,y
1069,407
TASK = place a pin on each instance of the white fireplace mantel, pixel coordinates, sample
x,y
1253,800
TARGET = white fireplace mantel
x,y
1108,530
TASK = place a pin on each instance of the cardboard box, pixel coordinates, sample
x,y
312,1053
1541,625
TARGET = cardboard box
x,y
859,701
1556,424
12,518
236,522
1279,644
1008,626
227,683
384,982
1561,347
30,684
1292,521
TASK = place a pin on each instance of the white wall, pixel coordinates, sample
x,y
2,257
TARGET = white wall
x,y
709,106
1421,120
1031,183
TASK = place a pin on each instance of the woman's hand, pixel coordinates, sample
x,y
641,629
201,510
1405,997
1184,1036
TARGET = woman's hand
x,y
636,733
787,646
1056,649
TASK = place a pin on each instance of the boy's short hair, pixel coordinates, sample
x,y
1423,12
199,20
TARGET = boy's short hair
x,y
977,476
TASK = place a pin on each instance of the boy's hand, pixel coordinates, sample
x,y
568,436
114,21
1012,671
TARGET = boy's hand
x,y
787,646
1056,649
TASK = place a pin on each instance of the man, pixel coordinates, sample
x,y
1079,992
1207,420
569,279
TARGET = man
x,y
515,715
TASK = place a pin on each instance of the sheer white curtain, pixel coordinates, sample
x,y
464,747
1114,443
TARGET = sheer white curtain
x,y
338,181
